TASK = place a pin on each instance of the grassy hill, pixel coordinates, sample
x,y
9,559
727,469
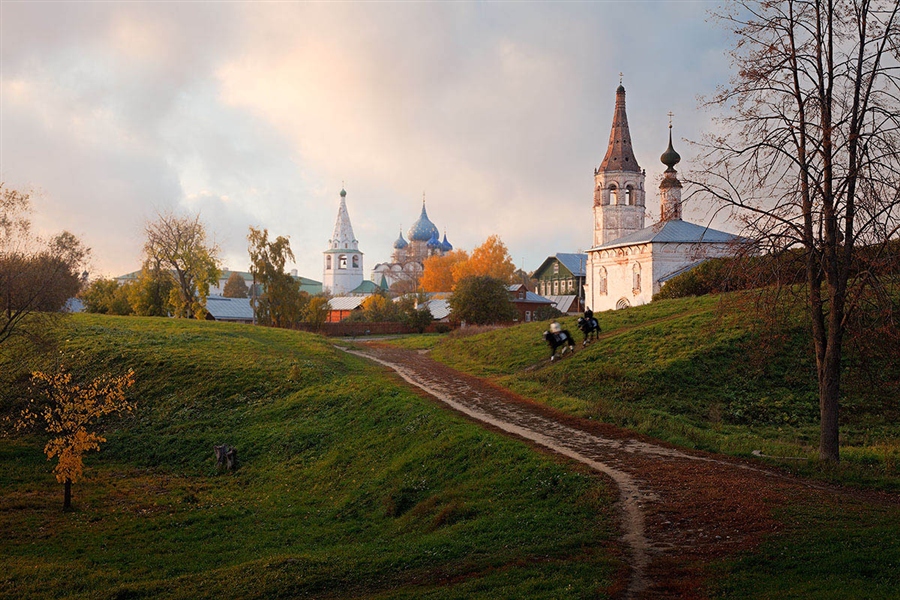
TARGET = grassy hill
x,y
350,485
717,373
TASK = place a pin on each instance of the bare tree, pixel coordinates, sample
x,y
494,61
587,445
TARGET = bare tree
x,y
37,276
179,244
808,154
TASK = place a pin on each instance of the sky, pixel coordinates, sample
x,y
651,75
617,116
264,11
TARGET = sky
x,y
257,114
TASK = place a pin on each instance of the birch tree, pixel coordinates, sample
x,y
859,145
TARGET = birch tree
x,y
179,244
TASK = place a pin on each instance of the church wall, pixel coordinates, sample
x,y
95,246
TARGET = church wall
x,y
674,257
619,266
616,213
338,281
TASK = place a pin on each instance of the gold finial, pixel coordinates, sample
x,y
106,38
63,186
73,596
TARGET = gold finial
x,y
423,197
620,77
671,114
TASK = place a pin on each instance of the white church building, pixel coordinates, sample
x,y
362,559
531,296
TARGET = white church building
x,y
343,268
628,263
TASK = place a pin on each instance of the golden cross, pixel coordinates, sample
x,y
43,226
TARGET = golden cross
x,y
671,114
620,77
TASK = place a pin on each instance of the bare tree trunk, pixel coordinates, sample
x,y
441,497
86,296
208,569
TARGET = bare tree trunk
x,y
810,153
829,372
67,495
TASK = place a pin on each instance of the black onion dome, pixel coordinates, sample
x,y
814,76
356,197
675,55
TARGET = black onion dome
x,y
670,158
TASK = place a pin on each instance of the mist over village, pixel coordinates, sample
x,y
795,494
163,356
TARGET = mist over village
x,y
450,299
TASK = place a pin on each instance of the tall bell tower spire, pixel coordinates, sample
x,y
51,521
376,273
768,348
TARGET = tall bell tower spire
x,y
343,268
618,182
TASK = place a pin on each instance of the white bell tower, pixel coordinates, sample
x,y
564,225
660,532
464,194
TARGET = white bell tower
x,y
343,268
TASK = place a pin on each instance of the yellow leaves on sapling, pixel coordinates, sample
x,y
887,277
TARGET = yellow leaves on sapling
x,y
68,410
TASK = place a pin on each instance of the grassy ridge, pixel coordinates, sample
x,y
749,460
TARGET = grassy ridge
x,y
349,486
703,373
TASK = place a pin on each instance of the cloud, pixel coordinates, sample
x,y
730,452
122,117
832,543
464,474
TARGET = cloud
x,y
257,113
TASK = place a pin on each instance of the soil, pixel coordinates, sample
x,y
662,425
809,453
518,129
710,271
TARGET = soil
x,y
680,510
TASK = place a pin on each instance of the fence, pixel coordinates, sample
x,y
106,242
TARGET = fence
x,y
344,329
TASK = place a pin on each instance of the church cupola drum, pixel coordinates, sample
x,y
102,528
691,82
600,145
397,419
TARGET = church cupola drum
x,y
618,183
670,187
343,269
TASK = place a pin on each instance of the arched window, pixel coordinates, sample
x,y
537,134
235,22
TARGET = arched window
x,y
622,303
601,283
556,287
636,278
356,261
342,261
629,195
327,262
613,194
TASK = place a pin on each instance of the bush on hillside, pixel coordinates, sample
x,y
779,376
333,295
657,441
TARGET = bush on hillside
x,y
719,275
545,313
481,300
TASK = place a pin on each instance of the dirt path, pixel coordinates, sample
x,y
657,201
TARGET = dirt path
x,y
680,509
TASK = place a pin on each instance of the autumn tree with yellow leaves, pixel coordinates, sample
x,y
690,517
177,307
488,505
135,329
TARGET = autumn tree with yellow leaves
x,y
491,259
68,411
437,275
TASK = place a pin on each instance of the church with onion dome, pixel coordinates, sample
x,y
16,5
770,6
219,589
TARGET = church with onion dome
x,y
408,256
629,263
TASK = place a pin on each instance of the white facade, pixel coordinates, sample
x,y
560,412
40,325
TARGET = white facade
x,y
630,272
629,263
342,261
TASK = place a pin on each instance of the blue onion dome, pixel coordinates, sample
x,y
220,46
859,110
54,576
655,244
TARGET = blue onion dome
x,y
400,244
434,242
423,229
445,245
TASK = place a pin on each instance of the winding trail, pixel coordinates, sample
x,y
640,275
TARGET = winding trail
x,y
679,509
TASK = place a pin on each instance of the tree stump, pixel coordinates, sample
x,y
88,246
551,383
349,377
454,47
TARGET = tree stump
x,y
226,456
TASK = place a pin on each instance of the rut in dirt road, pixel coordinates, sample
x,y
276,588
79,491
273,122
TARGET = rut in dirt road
x,y
678,510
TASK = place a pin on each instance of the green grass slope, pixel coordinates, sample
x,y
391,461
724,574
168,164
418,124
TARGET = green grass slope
x,y
350,485
704,373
